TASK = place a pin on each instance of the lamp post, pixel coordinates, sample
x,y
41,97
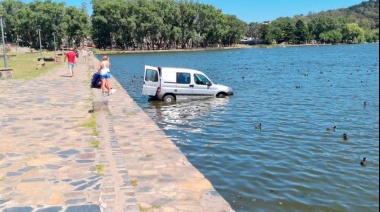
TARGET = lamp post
x,y
18,42
111,40
39,36
55,55
2,35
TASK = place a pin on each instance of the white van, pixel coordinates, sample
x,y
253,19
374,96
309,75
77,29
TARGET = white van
x,y
170,84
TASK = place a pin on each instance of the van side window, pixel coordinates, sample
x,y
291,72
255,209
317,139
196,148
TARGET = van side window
x,y
200,79
183,78
151,75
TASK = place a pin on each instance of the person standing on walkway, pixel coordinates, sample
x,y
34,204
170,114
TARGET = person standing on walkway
x,y
84,54
71,60
104,69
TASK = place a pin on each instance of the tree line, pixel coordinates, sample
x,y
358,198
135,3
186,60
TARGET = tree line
x,y
356,24
24,23
174,24
162,24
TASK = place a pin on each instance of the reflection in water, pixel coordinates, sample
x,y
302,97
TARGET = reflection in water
x,y
181,112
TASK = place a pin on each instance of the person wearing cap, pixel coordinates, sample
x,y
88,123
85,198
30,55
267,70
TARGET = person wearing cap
x,y
71,60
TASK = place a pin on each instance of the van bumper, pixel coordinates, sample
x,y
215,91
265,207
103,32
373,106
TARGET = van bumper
x,y
230,91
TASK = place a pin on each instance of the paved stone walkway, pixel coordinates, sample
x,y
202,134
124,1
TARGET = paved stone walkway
x,y
64,147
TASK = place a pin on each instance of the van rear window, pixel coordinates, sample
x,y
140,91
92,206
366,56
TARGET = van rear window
x,y
151,75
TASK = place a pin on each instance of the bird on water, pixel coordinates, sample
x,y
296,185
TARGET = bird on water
x,y
364,162
345,137
258,127
331,128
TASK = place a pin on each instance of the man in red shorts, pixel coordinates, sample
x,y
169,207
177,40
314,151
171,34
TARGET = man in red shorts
x,y
71,60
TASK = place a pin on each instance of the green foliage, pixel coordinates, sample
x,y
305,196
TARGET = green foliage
x,y
99,168
134,182
253,30
301,32
356,24
95,144
149,155
162,24
91,123
333,36
96,51
372,35
264,33
24,20
173,24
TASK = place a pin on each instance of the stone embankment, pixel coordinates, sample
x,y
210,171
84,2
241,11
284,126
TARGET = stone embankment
x,y
64,147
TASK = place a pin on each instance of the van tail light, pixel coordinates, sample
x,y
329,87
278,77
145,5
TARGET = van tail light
x,y
159,89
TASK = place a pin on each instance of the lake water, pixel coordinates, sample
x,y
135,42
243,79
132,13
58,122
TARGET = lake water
x,y
293,163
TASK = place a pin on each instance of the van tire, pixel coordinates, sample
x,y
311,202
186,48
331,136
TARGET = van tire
x,y
168,98
221,95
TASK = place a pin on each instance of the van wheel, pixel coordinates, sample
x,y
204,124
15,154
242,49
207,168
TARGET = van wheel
x,y
169,98
221,95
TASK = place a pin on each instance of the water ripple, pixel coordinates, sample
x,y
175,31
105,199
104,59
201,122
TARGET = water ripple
x,y
293,163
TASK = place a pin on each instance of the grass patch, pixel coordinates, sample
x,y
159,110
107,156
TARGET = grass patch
x,y
5,198
90,99
95,144
134,182
143,209
24,64
149,155
99,168
91,124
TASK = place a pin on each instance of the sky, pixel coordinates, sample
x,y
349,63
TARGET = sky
x,y
257,10
269,10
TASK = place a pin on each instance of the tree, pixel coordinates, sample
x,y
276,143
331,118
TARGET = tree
x,y
333,36
253,30
105,19
301,32
211,25
25,20
235,31
322,24
283,30
372,35
11,14
352,33
76,23
264,33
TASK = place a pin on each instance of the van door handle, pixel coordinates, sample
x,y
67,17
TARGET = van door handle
x,y
191,86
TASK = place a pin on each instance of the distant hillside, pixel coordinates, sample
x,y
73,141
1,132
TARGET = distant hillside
x,y
365,14
355,24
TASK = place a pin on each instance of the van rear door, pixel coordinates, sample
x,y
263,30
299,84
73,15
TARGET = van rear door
x,y
151,81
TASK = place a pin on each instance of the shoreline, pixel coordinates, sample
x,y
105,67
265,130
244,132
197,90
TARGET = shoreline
x,y
239,46
163,51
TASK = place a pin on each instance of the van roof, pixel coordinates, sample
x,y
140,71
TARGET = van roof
x,y
170,69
